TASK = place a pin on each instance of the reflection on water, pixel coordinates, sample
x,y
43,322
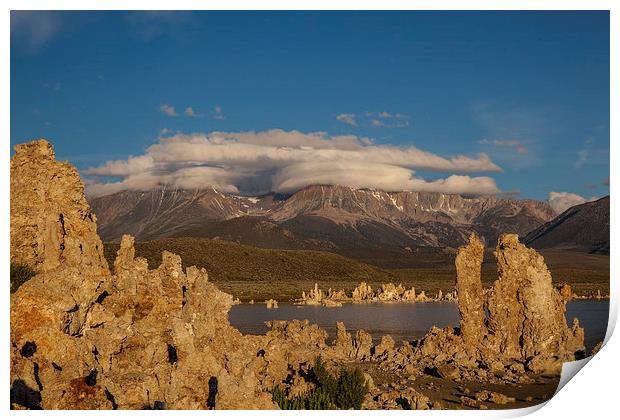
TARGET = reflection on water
x,y
403,321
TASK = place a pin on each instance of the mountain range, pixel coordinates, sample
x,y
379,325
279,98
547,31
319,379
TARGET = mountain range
x,y
319,217
584,227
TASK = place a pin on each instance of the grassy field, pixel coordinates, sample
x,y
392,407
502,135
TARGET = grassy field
x,y
257,273
586,273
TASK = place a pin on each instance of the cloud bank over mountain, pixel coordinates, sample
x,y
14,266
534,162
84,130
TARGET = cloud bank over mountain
x,y
285,161
561,201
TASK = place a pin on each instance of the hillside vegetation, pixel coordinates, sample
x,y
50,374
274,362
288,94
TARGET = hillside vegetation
x,y
257,273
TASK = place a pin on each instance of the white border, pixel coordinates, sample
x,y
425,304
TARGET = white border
x,y
592,394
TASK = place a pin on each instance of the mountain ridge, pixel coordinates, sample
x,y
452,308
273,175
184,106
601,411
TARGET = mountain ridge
x,y
584,227
317,217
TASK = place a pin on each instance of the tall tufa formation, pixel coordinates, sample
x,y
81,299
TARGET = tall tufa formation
x,y
526,312
469,290
51,222
525,320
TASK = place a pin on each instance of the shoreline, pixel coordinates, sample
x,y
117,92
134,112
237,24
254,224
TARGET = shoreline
x,y
286,299
294,303
404,322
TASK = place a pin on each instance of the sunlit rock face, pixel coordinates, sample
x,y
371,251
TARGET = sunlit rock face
x,y
469,290
526,312
51,222
507,334
138,338
525,320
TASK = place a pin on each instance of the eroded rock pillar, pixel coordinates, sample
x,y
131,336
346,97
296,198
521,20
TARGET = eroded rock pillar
x,y
469,289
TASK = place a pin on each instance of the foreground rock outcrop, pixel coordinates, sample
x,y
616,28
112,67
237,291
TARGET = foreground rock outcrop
x,y
138,338
51,222
515,329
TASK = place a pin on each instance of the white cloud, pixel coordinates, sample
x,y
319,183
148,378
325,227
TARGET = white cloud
x,y
347,119
284,161
124,168
168,110
190,178
561,201
375,175
189,111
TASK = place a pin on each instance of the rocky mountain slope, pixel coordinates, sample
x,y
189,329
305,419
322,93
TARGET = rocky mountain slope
x,y
162,212
584,227
317,217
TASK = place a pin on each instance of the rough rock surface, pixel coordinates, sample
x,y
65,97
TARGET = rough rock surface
x,y
271,304
525,326
390,292
364,293
51,222
140,338
343,345
144,336
317,296
566,291
385,348
523,334
469,291
362,345
526,312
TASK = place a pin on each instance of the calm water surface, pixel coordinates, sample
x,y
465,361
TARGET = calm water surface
x,y
403,321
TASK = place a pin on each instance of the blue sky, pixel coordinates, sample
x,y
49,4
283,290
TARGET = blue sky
x,y
528,89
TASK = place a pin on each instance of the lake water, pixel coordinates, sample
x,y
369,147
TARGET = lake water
x,y
403,321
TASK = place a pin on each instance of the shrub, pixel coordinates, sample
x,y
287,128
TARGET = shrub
x,y
316,399
20,274
352,388
344,392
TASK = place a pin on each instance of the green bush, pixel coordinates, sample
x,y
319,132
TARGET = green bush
x,y
316,399
352,388
20,274
344,392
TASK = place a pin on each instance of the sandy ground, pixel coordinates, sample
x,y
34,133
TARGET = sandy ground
x,y
449,392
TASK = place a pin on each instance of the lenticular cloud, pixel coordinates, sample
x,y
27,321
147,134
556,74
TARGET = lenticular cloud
x,y
285,161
